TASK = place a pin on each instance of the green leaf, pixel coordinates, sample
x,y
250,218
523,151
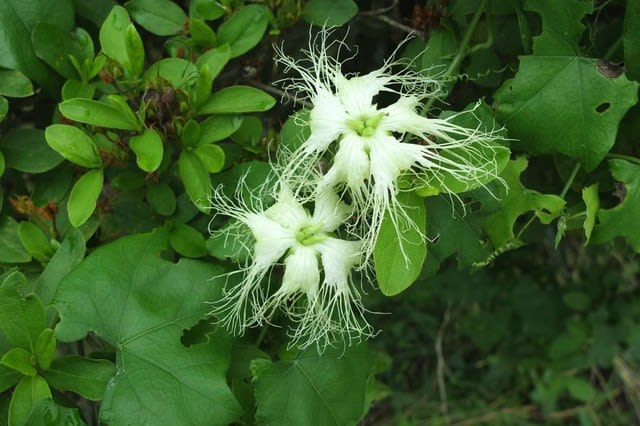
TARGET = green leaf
x,y
237,99
121,42
216,58
176,71
195,178
564,104
453,232
14,84
577,300
516,201
2,168
8,377
201,33
202,88
148,149
212,156
329,13
95,11
73,144
329,389
190,134
187,241
84,196
295,130
22,318
26,150
484,159
11,248
160,17
4,108
67,257
622,220
244,29
630,37
54,45
47,413
592,203
99,114
439,51
45,349
77,89
17,19
36,243
19,359
140,304
249,134
27,394
561,26
235,249
569,342
162,198
84,376
398,259
219,127
206,9
121,103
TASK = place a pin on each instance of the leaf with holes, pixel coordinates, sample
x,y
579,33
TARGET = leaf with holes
x,y
126,294
561,26
622,220
517,200
565,104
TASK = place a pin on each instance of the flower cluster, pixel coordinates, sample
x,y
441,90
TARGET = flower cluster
x,y
364,146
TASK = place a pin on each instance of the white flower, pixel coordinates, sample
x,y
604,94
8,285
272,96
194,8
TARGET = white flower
x,y
316,291
371,154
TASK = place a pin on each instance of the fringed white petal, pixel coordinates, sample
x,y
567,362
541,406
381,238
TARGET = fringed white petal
x,y
287,211
337,312
357,93
351,163
327,120
272,239
330,211
301,272
338,258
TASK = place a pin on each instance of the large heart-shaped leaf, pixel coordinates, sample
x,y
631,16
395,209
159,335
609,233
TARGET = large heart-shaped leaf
x,y
140,304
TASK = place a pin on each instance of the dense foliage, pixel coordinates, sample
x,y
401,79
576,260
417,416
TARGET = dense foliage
x,y
130,134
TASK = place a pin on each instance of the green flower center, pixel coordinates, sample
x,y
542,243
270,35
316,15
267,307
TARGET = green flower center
x,y
365,126
310,235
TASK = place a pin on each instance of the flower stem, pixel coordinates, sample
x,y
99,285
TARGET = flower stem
x,y
624,157
262,335
562,194
463,49
569,181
